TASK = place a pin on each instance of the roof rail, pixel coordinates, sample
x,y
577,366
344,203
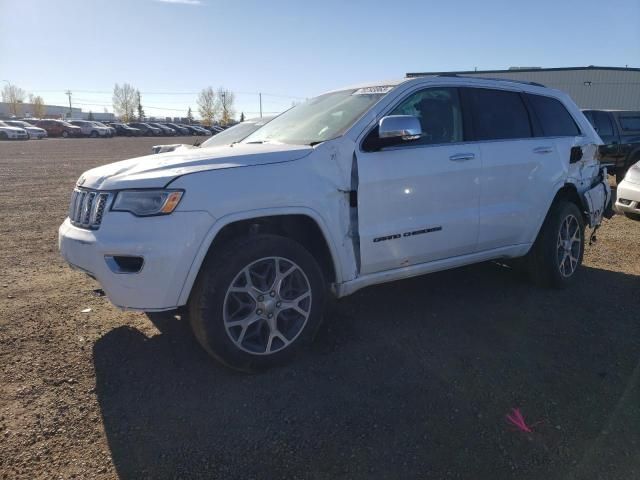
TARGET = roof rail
x,y
536,84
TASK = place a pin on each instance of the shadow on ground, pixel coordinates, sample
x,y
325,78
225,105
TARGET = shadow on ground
x,y
406,380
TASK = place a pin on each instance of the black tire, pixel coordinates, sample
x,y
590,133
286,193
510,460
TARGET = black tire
x,y
543,261
620,173
93,134
65,134
219,272
3,136
632,216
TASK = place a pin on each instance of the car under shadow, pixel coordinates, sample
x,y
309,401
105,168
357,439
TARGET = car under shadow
x,y
406,380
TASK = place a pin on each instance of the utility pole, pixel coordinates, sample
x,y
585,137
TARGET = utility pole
x,y
68,93
260,95
224,107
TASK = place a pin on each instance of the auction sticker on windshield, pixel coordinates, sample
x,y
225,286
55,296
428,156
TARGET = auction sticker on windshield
x,y
373,90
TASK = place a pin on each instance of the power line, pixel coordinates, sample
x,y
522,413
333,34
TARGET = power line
x,y
109,92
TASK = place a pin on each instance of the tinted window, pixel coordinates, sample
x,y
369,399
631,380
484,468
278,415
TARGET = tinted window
x,y
498,114
630,123
439,112
602,123
554,118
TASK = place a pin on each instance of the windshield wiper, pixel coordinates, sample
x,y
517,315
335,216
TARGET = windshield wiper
x,y
256,142
317,142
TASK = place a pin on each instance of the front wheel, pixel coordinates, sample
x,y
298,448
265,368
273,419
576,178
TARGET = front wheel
x,y
257,301
65,134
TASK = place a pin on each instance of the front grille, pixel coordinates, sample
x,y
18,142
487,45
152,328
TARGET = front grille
x,y
87,208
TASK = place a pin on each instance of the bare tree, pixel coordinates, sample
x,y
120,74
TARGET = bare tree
x,y
208,105
125,101
226,99
14,96
39,110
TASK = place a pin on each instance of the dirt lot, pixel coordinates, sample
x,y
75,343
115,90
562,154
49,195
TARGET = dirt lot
x,y
407,380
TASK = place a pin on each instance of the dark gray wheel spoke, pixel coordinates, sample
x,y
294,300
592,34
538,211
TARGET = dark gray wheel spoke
x,y
267,305
568,245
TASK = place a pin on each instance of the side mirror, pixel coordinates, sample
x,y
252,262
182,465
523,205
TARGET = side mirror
x,y
400,127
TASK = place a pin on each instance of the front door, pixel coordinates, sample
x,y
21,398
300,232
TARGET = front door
x,y
418,201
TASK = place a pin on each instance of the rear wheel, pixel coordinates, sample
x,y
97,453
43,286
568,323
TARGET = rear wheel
x,y
557,253
93,134
257,301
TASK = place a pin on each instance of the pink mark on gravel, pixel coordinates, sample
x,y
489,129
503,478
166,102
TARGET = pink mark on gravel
x,y
516,419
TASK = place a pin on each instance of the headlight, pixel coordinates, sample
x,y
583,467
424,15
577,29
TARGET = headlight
x,y
145,203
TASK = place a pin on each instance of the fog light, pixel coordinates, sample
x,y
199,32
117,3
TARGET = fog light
x,y
124,263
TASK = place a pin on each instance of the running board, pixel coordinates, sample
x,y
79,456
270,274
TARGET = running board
x,y
352,286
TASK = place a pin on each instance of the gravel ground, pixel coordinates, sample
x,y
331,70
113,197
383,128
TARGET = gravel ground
x,y
405,380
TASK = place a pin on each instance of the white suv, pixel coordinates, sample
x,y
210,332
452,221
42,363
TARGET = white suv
x,y
91,129
353,188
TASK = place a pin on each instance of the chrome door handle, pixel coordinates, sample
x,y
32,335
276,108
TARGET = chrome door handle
x,y
462,157
542,150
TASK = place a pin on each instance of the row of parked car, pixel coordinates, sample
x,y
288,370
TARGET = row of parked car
x,y
38,129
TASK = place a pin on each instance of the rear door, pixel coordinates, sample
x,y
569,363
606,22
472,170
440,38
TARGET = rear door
x,y
629,127
519,170
418,201
602,123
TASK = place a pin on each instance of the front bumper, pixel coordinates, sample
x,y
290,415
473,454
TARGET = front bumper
x,y
168,245
37,134
17,135
628,197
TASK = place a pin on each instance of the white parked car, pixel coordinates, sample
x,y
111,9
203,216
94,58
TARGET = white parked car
x,y
32,132
112,130
91,129
628,193
352,188
7,132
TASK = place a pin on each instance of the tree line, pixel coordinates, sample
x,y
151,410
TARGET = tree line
x,y
214,106
16,96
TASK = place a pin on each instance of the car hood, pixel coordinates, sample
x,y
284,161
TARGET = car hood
x,y
156,170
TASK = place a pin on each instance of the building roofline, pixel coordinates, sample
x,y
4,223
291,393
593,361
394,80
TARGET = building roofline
x,y
523,70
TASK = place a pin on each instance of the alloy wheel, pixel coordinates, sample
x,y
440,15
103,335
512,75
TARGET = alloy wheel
x,y
267,305
569,245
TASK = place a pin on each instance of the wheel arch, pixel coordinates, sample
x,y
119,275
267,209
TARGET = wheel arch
x,y
632,157
562,191
301,224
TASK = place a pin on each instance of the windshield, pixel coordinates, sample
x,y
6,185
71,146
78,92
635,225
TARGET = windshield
x,y
319,119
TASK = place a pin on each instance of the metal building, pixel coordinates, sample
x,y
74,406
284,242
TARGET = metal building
x,y
613,88
27,110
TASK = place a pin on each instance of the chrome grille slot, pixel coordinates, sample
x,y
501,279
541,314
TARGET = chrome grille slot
x,y
87,207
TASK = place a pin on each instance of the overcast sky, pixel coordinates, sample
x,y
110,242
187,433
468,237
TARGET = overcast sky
x,y
171,49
